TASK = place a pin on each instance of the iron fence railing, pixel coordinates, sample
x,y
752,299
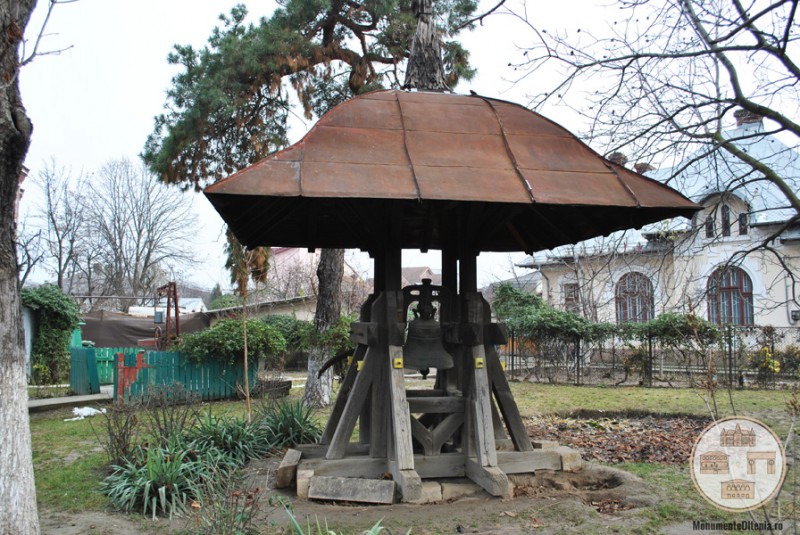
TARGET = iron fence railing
x,y
741,356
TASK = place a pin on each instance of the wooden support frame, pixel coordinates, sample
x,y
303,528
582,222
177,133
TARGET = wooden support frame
x,y
470,409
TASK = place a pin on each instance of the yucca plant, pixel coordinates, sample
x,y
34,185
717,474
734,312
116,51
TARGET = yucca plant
x,y
289,423
159,480
233,436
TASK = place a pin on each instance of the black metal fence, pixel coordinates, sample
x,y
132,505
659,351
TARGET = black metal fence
x,y
740,356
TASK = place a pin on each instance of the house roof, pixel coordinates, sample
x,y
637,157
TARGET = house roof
x,y
703,174
529,282
414,275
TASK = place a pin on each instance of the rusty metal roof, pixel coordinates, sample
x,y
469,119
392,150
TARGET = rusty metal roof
x,y
415,169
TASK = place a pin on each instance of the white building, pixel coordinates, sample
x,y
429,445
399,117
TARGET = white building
x,y
713,266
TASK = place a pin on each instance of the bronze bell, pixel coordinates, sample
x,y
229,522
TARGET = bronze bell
x,y
423,348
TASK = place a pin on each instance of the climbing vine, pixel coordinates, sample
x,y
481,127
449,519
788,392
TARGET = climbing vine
x,y
57,315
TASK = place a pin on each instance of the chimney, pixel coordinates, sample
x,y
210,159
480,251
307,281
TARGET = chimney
x,y
743,117
617,158
642,167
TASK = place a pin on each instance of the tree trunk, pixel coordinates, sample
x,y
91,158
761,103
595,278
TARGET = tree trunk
x,y
425,70
17,491
329,308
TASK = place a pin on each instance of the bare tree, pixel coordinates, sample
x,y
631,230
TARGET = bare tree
x,y
62,222
29,252
662,79
141,228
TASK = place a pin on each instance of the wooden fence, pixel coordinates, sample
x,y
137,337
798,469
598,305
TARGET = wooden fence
x,y
107,360
139,374
83,376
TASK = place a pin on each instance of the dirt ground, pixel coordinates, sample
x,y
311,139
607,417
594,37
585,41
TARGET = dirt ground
x,y
596,500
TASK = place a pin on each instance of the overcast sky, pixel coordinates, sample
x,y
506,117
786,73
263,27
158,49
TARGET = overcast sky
x,y
96,101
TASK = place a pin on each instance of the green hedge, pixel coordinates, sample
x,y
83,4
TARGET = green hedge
x,y
225,341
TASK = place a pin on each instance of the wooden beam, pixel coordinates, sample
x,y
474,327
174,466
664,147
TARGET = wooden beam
x,y
408,483
483,428
341,398
436,405
361,466
352,409
351,489
505,401
423,436
401,417
379,405
524,462
442,432
491,478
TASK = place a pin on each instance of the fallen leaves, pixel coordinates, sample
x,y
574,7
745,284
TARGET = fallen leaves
x,y
648,439
609,506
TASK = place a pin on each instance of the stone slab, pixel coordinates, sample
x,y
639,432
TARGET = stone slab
x,y
570,459
303,483
545,444
350,489
461,488
287,471
431,493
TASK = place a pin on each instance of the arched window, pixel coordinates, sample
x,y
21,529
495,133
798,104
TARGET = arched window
x,y
730,297
726,220
634,298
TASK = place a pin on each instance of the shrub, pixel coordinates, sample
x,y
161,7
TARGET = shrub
x,y
225,341
289,422
121,426
227,507
159,480
297,333
57,315
232,436
169,411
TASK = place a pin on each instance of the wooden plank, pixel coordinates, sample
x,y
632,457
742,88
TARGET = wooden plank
x,y
364,333
439,466
483,430
423,436
351,489
431,393
287,470
490,478
522,462
401,417
347,422
318,451
436,405
379,396
341,398
505,401
497,422
359,464
409,484
362,466
442,432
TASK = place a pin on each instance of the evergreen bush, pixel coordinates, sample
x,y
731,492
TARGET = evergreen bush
x,y
225,342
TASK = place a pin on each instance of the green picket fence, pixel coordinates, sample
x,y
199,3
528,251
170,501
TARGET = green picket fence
x,y
83,377
107,360
156,372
